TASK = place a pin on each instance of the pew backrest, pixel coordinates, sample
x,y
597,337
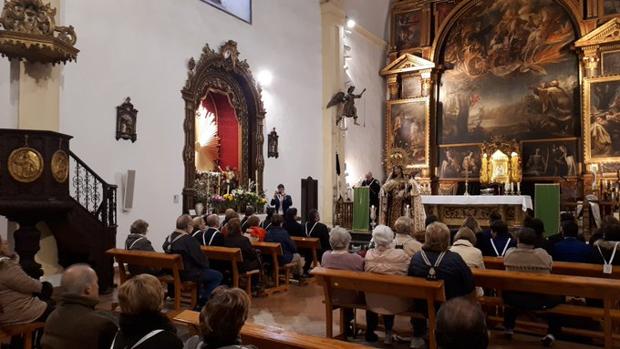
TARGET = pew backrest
x,y
220,253
392,285
564,268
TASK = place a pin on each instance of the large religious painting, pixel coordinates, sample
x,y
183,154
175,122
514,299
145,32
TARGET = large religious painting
x,y
509,71
408,131
602,119
458,162
545,158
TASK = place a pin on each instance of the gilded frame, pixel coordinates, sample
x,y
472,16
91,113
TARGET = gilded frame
x,y
389,136
587,137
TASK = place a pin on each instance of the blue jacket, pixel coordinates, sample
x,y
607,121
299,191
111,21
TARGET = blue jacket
x,y
278,234
286,203
572,250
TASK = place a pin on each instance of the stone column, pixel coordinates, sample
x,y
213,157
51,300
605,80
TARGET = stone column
x,y
332,22
35,91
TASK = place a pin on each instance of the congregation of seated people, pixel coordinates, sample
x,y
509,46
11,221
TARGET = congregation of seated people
x,y
435,254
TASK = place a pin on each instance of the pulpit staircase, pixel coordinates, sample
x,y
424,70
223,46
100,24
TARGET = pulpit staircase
x,y
68,196
88,229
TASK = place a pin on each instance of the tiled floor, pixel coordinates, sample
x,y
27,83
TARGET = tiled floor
x,y
301,310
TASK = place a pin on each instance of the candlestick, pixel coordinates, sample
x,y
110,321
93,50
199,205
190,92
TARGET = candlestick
x,y
518,188
256,180
512,188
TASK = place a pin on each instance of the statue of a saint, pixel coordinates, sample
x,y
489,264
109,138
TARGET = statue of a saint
x,y
394,196
230,179
418,215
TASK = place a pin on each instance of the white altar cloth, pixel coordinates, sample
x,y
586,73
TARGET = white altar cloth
x,y
478,200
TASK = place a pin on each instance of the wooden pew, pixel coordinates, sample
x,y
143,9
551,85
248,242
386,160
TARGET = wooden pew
x,y
607,290
563,268
234,256
157,260
389,285
274,250
312,244
22,330
267,337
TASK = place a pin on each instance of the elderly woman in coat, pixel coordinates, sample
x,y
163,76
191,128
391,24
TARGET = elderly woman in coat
x,y
340,258
404,240
385,259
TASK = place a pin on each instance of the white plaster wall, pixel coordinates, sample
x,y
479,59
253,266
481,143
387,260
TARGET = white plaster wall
x,y
370,14
139,49
364,144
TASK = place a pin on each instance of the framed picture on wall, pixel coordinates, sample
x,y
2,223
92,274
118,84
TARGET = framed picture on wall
x,y
411,86
610,62
601,125
459,161
610,7
550,158
410,25
408,131
241,9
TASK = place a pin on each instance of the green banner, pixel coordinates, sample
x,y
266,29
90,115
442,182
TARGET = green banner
x,y
547,206
361,210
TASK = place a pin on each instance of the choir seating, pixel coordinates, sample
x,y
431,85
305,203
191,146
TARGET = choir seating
x,y
267,337
312,244
389,285
22,330
234,256
158,260
607,290
273,250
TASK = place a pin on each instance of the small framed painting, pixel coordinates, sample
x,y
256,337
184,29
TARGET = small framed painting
x,y
241,9
550,158
610,62
460,161
411,86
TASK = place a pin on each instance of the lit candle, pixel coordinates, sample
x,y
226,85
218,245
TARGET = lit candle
x,y
256,180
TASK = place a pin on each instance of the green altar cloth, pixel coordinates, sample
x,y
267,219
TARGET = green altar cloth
x,y
547,206
361,210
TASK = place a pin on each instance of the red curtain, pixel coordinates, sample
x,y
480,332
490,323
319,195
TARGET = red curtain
x,y
228,130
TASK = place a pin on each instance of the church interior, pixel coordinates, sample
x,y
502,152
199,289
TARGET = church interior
x,y
309,174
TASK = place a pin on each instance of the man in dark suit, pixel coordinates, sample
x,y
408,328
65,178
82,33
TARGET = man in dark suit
x,y
374,188
281,201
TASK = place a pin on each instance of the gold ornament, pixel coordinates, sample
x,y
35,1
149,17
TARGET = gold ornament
x,y
60,166
25,164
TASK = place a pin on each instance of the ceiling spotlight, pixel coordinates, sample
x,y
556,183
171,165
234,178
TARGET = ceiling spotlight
x,y
264,78
350,23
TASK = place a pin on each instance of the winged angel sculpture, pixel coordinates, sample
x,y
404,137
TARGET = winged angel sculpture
x,y
346,104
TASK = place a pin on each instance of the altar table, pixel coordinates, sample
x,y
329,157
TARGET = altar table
x,y
452,209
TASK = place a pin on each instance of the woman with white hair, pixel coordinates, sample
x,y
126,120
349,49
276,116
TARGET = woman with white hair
x,y
385,259
340,258
436,262
403,239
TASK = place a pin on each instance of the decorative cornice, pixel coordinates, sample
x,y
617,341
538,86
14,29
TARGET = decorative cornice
x,y
407,63
30,32
605,34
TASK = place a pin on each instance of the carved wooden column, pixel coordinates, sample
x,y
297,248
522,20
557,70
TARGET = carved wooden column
x,y
392,84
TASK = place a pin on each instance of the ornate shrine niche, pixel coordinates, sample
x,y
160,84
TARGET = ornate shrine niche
x,y
221,94
507,70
